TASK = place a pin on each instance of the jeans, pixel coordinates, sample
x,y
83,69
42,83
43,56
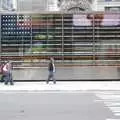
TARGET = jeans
x,y
8,78
51,76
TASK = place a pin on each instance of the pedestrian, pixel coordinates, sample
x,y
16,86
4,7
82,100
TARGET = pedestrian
x,y
2,72
51,69
8,73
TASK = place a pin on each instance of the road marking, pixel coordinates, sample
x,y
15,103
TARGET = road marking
x,y
117,114
112,101
112,119
114,109
41,91
110,104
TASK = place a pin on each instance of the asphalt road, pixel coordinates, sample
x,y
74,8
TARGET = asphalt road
x,y
83,105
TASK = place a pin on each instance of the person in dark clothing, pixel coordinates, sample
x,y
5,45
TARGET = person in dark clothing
x,y
51,69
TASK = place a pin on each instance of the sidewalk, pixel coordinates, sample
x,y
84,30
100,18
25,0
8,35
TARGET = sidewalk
x,y
59,86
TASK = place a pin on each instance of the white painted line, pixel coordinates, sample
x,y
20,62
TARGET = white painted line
x,y
112,119
117,114
109,96
108,101
115,109
40,91
113,104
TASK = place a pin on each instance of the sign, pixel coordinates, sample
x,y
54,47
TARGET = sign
x,y
81,20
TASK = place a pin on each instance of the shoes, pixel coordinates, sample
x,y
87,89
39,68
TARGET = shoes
x,y
54,82
6,83
11,83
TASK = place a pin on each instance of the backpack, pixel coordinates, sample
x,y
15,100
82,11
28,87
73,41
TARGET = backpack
x,y
6,68
1,68
50,68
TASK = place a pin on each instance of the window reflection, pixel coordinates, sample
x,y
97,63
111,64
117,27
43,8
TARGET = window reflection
x,y
81,38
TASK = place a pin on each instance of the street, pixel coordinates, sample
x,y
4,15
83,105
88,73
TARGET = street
x,y
60,105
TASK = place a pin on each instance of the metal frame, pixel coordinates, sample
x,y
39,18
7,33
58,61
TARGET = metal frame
x,y
62,38
0,39
94,51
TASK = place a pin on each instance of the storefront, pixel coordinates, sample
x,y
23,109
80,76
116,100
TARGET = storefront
x,y
76,39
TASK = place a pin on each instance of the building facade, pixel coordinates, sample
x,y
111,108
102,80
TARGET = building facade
x,y
7,5
75,5
52,5
37,5
108,5
31,5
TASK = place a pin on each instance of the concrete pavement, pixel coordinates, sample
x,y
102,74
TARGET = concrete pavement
x,y
68,74
60,86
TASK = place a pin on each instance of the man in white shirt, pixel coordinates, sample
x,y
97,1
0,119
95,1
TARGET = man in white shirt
x,y
8,73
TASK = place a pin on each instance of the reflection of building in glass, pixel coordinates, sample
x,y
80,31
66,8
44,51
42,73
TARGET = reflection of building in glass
x,y
78,38
108,5
75,5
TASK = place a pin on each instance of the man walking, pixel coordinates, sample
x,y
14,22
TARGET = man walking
x,y
8,73
51,69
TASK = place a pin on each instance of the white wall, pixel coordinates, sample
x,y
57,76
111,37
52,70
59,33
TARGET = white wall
x,y
94,5
52,5
101,4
